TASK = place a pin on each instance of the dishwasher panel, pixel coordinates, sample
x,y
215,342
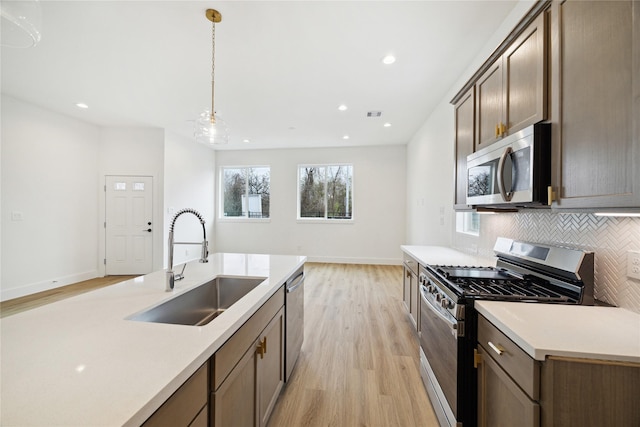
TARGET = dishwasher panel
x,y
294,327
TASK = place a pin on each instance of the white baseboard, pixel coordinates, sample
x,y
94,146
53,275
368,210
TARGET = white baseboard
x,y
372,261
32,288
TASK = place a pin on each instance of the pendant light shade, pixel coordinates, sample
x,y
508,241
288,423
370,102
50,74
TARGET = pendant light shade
x,y
21,22
210,129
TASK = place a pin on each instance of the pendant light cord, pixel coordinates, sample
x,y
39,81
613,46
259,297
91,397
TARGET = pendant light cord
x,y
213,68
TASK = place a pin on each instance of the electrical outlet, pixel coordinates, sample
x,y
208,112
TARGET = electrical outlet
x,y
633,264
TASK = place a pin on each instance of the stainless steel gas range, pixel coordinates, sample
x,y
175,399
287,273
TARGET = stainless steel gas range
x,y
524,272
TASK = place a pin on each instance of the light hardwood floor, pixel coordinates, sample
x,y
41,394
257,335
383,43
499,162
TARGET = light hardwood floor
x,y
359,363
17,305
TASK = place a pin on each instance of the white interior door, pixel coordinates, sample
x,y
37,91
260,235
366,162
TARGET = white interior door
x,y
128,225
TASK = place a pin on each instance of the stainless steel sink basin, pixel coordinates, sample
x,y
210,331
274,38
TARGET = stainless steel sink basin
x,y
202,304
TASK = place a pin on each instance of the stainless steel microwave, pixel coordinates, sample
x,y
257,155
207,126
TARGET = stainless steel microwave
x,y
513,171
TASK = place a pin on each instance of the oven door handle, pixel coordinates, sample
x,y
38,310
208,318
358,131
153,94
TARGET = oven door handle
x,y
506,195
453,324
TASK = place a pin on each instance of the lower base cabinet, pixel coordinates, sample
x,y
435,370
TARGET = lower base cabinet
x,y
187,406
501,402
515,390
240,384
247,372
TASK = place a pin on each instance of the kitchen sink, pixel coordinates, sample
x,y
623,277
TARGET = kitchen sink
x,y
202,304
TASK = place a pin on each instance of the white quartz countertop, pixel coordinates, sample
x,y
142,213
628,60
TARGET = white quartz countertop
x,y
442,255
591,332
80,362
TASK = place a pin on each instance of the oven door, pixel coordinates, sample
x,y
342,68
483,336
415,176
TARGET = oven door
x,y
439,357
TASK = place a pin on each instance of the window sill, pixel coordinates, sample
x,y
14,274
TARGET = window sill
x,y
324,221
245,220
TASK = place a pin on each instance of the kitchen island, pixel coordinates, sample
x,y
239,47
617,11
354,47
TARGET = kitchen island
x,y
80,361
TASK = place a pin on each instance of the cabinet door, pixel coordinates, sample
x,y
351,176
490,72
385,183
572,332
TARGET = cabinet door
x,y
186,404
596,64
270,367
413,285
490,102
406,288
465,144
500,401
525,77
234,403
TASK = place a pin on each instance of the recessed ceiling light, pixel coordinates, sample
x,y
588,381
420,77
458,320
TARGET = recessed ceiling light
x,y
387,125
342,107
389,59
82,105
246,140
345,137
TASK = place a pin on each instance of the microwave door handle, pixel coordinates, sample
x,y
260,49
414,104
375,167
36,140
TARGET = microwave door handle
x,y
506,196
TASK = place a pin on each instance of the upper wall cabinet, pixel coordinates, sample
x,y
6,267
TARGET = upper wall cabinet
x,y
512,93
465,143
595,103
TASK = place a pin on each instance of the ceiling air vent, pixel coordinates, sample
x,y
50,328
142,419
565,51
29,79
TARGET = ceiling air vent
x,y
374,113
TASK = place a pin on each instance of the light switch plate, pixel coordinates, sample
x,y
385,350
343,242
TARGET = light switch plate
x,y
633,264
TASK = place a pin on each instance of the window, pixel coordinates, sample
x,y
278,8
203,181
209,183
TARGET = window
x,y
468,223
325,192
245,192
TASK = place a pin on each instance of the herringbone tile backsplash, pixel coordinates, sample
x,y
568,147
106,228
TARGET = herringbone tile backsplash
x,y
608,237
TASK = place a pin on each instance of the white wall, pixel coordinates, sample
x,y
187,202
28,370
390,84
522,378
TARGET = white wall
x,y
189,172
430,156
135,152
53,172
374,236
49,164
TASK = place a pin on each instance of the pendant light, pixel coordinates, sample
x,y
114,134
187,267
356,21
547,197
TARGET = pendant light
x,y
20,23
210,129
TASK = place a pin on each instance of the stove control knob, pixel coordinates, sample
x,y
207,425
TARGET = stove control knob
x,y
439,297
445,303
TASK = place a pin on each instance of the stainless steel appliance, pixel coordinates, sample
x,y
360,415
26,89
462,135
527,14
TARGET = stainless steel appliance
x,y
524,272
294,328
514,171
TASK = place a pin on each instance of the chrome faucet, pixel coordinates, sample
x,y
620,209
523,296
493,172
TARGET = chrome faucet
x,y
171,276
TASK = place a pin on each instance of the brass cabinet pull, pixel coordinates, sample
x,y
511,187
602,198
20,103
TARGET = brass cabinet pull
x,y
551,195
497,131
503,129
477,358
497,348
262,348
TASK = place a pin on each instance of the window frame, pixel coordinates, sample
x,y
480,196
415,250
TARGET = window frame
x,y
468,222
221,191
325,220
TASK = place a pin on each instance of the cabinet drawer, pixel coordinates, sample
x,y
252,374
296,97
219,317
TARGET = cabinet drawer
x,y
524,370
229,354
185,404
411,263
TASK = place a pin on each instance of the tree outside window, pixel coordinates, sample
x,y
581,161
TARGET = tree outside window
x,y
245,192
325,192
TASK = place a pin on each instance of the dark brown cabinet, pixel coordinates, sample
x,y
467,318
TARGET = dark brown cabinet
x,y
512,93
465,144
516,390
508,381
596,103
247,372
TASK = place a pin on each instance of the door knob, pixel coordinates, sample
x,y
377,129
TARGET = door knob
x,y
147,230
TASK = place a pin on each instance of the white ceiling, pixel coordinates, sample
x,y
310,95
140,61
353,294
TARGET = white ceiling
x,y
282,67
